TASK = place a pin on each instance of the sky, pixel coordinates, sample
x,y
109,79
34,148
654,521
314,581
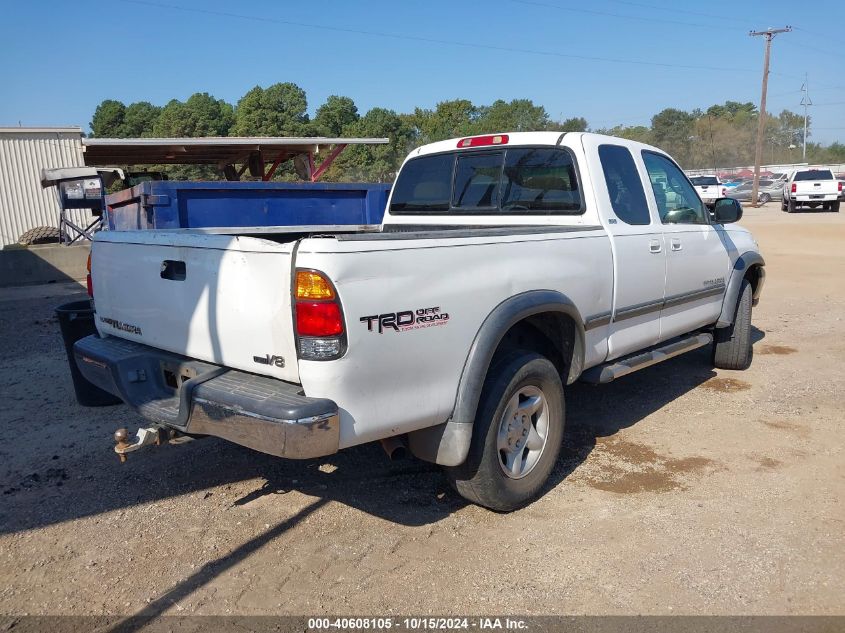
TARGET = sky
x,y
609,61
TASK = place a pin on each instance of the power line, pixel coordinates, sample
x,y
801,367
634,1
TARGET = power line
x,y
815,49
429,40
611,14
669,9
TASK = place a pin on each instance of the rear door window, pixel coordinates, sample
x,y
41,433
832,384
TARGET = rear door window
x,y
627,196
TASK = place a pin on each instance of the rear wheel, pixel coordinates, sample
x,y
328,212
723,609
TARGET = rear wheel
x,y
834,206
732,347
790,206
517,433
783,204
41,235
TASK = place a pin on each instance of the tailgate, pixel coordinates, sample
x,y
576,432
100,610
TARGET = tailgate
x,y
707,191
218,298
816,188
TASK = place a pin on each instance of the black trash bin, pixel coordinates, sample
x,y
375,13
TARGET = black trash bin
x,y
77,321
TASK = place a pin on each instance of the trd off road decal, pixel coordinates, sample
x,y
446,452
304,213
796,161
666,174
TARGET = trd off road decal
x,y
406,320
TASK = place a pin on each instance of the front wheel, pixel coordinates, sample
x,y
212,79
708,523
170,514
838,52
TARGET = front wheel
x,y
517,434
732,348
764,198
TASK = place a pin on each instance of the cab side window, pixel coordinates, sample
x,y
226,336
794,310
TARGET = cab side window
x,y
624,186
677,201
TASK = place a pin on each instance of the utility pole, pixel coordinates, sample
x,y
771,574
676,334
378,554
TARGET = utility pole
x,y
761,124
805,101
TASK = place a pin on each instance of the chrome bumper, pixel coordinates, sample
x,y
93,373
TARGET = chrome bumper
x,y
261,413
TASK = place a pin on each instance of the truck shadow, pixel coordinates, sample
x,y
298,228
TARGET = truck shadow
x,y
88,480
594,412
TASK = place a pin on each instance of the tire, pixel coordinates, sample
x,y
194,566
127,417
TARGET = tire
x,y
41,235
764,198
732,347
790,206
834,206
512,382
783,204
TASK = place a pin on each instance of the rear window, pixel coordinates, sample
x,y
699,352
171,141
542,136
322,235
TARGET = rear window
x,y
704,180
521,180
814,174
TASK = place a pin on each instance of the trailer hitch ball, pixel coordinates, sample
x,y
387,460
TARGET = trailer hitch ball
x,y
121,440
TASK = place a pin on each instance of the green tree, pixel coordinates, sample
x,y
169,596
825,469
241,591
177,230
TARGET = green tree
x,y
108,119
448,120
573,124
334,115
519,115
639,133
376,163
279,110
139,120
672,131
200,115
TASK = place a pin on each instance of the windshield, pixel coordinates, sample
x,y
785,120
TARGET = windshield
x,y
704,180
814,174
517,180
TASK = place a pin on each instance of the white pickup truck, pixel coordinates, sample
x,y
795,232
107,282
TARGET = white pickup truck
x,y
811,188
709,188
506,267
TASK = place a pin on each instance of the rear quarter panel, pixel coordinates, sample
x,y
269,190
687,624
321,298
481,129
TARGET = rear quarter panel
x,y
399,381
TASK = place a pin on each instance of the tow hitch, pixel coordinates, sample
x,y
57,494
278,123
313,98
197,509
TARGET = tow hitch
x,y
152,435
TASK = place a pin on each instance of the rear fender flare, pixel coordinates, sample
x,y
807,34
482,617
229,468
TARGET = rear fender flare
x,y
447,444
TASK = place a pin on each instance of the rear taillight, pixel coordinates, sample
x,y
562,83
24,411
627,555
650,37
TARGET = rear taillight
x,y
794,188
840,186
88,282
724,192
319,317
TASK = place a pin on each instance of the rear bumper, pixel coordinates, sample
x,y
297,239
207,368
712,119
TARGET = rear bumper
x,y
827,197
262,413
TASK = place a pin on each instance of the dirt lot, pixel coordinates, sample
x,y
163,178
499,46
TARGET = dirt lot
x,y
682,490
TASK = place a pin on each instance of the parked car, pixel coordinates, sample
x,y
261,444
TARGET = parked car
x,y
709,188
506,267
811,188
766,191
841,179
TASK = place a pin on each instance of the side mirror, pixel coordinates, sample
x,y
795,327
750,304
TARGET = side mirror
x,y
727,210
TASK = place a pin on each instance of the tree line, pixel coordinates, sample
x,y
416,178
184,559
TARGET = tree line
x,y
723,135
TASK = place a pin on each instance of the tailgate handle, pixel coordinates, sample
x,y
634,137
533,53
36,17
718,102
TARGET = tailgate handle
x,y
173,269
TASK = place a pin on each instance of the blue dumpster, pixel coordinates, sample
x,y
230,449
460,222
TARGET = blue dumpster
x,y
173,204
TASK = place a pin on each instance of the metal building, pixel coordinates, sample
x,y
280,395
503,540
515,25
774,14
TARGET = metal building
x,y
24,151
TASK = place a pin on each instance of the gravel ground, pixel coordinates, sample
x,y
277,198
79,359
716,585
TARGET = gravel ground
x,y
682,490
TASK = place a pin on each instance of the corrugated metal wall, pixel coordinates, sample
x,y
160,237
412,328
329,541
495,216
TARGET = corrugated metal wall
x,y
23,153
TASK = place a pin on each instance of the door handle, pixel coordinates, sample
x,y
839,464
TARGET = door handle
x,y
654,246
676,245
